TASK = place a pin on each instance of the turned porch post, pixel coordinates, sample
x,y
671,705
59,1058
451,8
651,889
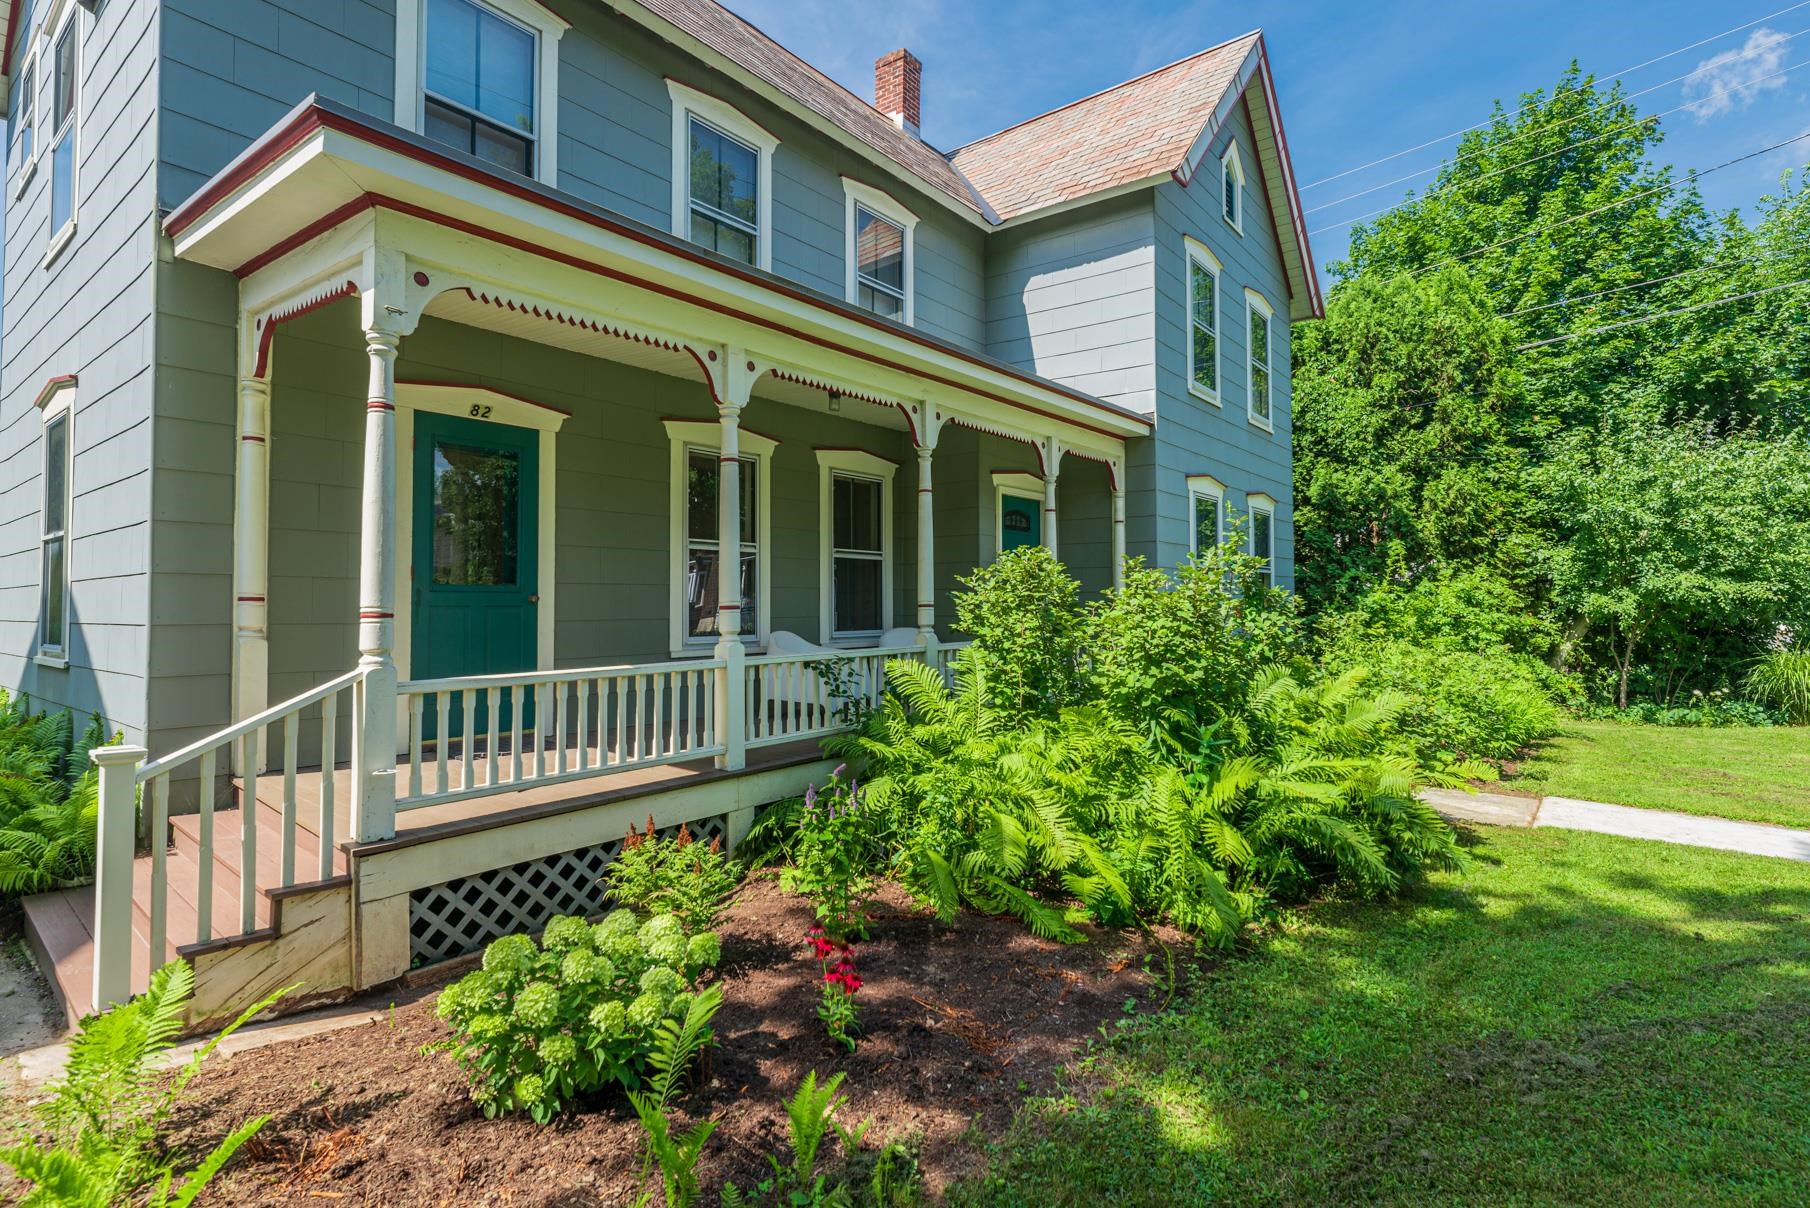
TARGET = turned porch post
x,y
1118,533
1052,462
251,551
374,781
731,709
926,550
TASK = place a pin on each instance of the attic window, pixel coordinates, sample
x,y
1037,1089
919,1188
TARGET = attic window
x,y
722,177
1231,187
879,251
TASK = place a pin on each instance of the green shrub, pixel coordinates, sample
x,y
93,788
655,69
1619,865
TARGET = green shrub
x,y
1781,678
1023,612
1474,608
1165,644
1703,711
1462,704
99,1136
887,1179
677,876
539,1025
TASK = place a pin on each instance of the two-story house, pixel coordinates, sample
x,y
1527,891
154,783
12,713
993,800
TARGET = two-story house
x,y
388,385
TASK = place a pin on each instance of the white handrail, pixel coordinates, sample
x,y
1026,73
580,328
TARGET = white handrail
x,y
257,721
511,678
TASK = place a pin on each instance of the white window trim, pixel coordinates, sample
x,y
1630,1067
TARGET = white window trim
x,y
1232,162
1205,486
686,435
852,463
490,406
27,117
1257,303
1018,484
57,401
1200,255
687,103
547,27
881,205
1254,503
55,23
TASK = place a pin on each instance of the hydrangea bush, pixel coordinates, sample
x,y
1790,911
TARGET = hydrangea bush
x,y
536,1026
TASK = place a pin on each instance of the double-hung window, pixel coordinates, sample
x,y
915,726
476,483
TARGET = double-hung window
x,y
857,544
1263,534
25,119
1203,322
722,177
1257,354
697,570
53,605
66,66
879,251
1231,188
1206,512
479,93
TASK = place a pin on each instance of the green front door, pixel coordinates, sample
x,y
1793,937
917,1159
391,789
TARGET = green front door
x,y
477,491
1020,521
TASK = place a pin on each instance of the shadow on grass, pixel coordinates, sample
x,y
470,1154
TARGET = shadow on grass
x,y
1579,1019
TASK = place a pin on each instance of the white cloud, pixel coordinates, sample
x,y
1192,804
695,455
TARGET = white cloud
x,y
1732,79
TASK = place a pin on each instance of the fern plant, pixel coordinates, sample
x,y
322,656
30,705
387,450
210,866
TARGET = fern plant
x,y
1781,678
676,1043
887,1177
991,814
98,1138
48,806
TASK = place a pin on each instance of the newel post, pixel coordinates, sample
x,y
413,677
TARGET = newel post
x,y
375,780
115,845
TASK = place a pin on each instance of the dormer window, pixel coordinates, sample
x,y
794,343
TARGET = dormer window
x,y
1231,188
722,177
481,76
879,251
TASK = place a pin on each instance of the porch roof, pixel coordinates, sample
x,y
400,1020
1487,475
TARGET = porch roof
x,y
324,166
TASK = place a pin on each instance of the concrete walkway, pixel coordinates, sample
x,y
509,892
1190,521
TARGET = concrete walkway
x,y
1502,809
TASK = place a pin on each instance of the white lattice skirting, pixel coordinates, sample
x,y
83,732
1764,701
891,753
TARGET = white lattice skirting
x,y
463,915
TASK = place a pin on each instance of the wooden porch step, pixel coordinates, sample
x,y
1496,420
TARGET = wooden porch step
x,y
59,929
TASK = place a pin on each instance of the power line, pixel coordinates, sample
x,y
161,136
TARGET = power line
x,y
1694,174
1572,121
1612,75
1617,289
1664,314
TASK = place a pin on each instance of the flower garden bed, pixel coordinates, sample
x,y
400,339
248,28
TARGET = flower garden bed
x,y
960,1024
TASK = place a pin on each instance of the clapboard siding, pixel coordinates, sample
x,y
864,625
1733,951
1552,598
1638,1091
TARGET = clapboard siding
x,y
1069,297
1194,437
86,313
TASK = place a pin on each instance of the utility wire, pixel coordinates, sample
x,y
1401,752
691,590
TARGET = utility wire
x,y
1664,314
1612,75
1693,174
1456,160
1617,289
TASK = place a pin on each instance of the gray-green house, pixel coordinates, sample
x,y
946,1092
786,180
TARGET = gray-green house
x,y
386,383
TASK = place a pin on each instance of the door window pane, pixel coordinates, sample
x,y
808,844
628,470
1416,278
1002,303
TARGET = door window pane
x,y
477,496
1020,522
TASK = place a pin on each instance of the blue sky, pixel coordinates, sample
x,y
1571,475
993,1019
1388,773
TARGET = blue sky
x,y
1357,81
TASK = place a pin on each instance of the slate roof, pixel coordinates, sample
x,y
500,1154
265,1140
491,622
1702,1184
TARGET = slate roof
x,y
1130,132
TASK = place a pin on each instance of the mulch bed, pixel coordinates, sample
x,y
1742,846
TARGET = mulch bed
x,y
962,1023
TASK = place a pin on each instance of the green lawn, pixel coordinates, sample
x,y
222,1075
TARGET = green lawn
x,y
1761,774
1580,1019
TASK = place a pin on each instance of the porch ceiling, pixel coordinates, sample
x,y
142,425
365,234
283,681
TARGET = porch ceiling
x,y
290,204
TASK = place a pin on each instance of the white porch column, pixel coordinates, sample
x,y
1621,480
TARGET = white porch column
x,y
375,780
926,550
731,711
1050,471
1118,534
251,553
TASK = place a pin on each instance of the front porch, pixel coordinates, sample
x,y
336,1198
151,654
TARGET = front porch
x,y
493,450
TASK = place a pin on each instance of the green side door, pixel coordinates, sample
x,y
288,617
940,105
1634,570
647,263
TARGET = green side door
x,y
477,543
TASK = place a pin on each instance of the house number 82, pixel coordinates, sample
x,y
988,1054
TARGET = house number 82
x,y
480,411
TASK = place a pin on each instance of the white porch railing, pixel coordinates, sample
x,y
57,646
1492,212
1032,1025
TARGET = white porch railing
x,y
125,785
491,733
463,738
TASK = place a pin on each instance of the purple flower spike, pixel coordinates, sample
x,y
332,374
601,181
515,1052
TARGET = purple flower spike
x,y
837,774
810,797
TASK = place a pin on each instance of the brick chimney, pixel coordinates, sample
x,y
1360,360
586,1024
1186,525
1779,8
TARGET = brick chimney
x,y
896,78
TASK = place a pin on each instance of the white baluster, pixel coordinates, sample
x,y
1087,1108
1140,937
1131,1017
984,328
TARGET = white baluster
x,y
204,888
415,711
329,745
290,725
562,688
443,747
660,750
160,870
248,837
